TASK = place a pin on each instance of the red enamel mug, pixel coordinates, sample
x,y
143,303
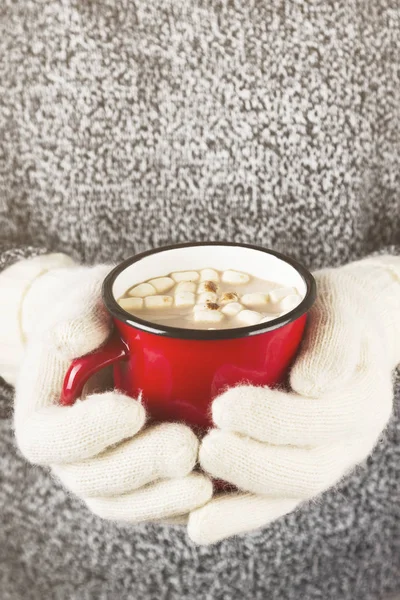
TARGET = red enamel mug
x,y
178,372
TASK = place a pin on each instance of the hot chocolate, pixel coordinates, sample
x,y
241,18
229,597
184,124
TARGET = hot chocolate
x,y
209,299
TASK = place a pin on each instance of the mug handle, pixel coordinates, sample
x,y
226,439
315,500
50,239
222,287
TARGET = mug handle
x,y
83,368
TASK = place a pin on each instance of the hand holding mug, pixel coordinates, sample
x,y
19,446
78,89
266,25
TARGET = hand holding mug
x,y
282,448
100,447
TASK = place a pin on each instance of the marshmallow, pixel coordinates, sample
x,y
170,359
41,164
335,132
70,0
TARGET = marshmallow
x,y
142,290
207,305
185,299
235,277
209,275
185,286
279,293
249,317
208,316
131,304
255,299
200,307
185,276
286,304
207,297
229,297
289,303
207,286
162,284
232,309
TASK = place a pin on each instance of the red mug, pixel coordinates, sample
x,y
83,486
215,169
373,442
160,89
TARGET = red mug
x,y
178,372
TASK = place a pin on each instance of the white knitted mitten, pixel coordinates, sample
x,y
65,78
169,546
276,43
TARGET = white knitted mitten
x,y
16,284
281,448
99,447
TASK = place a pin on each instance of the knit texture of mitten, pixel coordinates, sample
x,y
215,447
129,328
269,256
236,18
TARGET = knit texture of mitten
x,y
283,448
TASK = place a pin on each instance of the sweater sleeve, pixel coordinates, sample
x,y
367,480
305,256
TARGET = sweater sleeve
x,y
393,250
11,255
20,266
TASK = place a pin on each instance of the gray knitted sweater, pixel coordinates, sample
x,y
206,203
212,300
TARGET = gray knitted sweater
x,y
129,124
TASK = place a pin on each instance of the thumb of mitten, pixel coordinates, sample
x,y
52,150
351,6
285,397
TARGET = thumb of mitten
x,y
331,345
76,322
72,327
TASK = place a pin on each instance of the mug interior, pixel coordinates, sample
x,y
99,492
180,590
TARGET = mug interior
x,y
256,262
259,262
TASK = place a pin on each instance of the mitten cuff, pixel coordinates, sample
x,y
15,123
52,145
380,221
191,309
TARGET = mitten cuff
x,y
15,281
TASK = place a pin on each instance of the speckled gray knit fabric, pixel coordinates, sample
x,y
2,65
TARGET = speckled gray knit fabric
x,y
128,124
